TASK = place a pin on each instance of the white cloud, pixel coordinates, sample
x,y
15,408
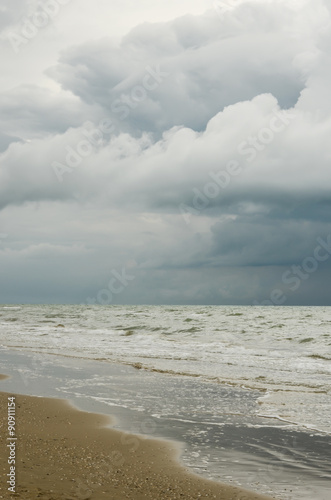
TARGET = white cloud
x,y
227,81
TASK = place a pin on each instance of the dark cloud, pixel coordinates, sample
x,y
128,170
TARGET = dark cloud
x,y
210,63
209,181
262,241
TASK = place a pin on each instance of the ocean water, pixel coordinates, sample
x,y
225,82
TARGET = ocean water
x,y
283,352
246,389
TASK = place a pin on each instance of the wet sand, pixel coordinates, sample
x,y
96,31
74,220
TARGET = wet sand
x,y
63,453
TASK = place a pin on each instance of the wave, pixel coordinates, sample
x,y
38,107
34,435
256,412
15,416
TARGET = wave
x,y
318,356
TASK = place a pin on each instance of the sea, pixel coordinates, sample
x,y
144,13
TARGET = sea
x,y
245,389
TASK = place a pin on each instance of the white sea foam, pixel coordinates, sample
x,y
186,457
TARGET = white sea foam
x,y
285,351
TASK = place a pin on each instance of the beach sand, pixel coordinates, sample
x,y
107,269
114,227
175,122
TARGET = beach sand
x,y
63,453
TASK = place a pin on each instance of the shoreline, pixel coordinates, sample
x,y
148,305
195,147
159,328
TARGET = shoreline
x,y
65,453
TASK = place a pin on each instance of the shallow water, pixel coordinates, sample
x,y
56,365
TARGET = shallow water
x,y
223,435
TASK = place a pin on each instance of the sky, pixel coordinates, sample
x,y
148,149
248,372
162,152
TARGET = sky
x,y
165,152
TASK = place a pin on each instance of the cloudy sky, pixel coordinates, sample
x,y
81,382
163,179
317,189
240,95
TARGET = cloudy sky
x,y
165,151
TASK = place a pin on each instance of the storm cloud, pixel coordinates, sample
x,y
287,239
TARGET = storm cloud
x,y
193,153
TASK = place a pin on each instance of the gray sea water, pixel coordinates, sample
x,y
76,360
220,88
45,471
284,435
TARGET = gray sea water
x,y
251,379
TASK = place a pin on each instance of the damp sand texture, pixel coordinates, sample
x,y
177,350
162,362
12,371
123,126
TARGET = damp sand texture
x,y
63,453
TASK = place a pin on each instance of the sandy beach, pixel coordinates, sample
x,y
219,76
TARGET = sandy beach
x,y
63,453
